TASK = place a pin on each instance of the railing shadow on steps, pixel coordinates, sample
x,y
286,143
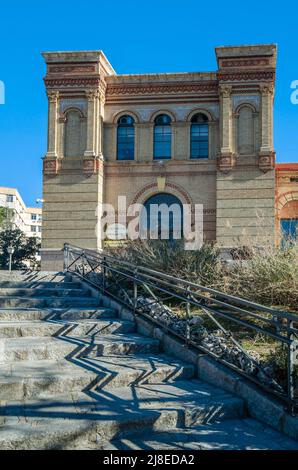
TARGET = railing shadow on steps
x,y
202,317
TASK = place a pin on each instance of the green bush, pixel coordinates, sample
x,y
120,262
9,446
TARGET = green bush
x,y
25,248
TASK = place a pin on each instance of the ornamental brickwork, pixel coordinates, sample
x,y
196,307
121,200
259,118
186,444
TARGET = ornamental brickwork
x,y
235,183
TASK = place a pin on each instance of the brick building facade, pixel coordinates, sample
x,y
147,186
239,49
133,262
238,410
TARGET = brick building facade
x,y
203,137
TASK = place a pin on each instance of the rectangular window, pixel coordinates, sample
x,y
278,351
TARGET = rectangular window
x,y
199,145
39,229
33,217
33,228
162,142
9,198
125,143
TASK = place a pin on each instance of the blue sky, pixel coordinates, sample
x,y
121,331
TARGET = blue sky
x,y
137,37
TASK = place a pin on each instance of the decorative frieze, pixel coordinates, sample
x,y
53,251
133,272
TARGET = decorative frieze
x,y
74,82
250,62
78,68
246,75
161,88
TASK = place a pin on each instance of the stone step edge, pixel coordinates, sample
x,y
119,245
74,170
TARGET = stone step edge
x,y
259,404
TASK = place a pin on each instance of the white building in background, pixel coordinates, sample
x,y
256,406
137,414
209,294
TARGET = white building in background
x,y
27,219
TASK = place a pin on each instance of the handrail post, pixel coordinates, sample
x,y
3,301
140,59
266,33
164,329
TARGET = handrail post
x,y
187,333
104,274
65,257
290,365
135,291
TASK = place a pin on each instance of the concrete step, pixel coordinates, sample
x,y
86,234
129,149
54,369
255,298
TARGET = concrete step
x,y
241,434
64,327
101,416
193,401
39,348
33,276
68,313
119,344
19,380
43,302
116,371
43,292
40,285
63,426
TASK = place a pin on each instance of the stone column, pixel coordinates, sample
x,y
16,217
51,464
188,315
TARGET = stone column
x,y
52,124
267,154
92,119
226,124
51,163
226,159
94,133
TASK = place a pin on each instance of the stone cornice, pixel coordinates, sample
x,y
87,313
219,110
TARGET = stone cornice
x,y
161,88
74,82
247,75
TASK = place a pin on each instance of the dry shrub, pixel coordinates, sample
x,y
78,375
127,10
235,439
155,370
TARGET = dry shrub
x,y
268,275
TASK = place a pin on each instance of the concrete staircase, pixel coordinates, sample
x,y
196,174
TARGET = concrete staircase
x,y
74,376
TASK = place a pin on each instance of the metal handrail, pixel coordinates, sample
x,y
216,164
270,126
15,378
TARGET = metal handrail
x,y
215,304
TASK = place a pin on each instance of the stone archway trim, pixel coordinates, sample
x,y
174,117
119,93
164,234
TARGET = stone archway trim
x,y
172,188
285,198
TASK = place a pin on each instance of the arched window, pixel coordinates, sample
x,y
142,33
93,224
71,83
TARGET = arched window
x,y
162,137
162,217
125,138
199,136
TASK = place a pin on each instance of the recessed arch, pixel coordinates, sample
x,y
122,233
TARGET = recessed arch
x,y
152,188
285,198
204,111
162,111
126,112
73,109
74,132
245,105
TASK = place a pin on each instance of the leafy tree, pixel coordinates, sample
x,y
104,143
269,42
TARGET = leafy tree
x,y
6,215
25,248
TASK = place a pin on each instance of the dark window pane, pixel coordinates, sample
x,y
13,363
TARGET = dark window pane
x,y
162,120
125,138
199,138
162,137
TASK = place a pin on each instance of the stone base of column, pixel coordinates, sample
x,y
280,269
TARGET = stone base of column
x,y
266,160
51,166
226,162
91,166
51,259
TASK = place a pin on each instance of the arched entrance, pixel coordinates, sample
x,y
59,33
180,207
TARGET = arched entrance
x,y
162,217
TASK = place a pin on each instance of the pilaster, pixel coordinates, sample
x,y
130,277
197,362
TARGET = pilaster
x,y
267,153
226,159
53,99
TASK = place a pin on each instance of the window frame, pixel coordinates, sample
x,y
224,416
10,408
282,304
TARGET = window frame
x,y
200,140
166,139
130,139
